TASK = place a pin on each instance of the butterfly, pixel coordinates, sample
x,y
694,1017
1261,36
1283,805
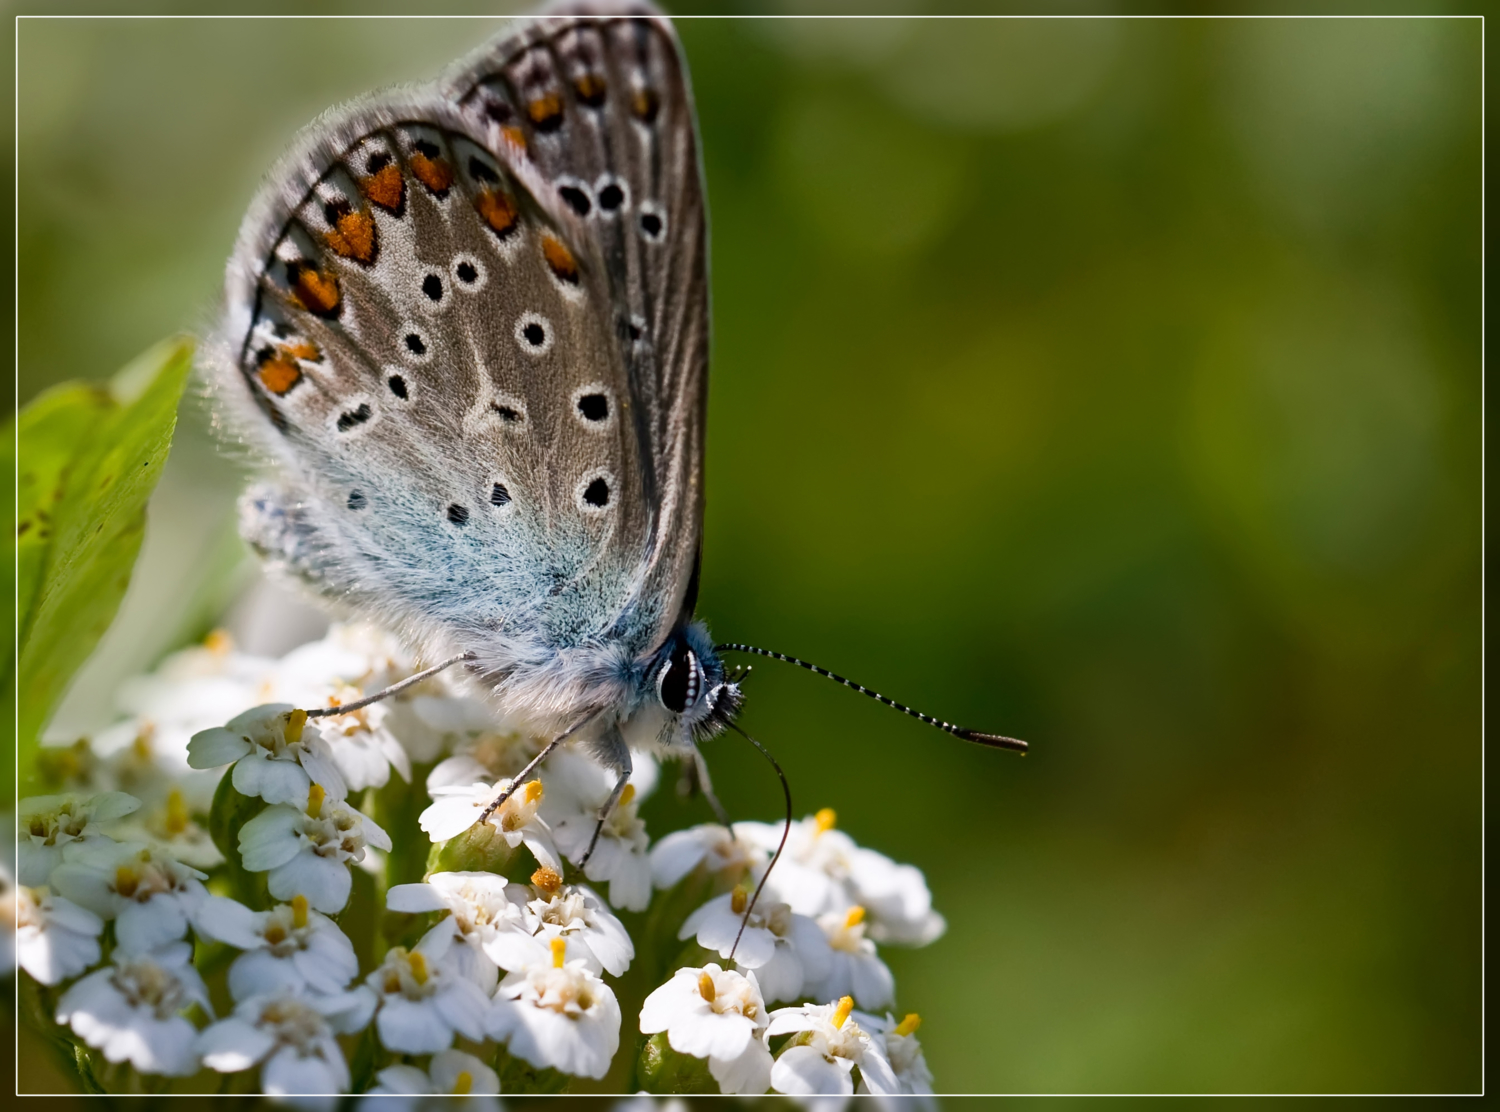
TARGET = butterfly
x,y
467,326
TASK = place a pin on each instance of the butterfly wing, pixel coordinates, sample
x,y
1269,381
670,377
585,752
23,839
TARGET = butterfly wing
x,y
485,398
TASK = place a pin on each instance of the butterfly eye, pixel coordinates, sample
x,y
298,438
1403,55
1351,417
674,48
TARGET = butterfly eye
x,y
680,681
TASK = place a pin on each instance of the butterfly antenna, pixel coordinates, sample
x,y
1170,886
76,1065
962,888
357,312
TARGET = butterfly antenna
x,y
395,688
995,741
786,790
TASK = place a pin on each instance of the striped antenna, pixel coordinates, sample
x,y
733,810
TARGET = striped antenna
x,y
994,741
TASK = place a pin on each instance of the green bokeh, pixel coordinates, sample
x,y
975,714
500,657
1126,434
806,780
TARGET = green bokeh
x,y
1114,385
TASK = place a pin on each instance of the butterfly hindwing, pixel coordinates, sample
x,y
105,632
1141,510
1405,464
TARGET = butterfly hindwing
x,y
457,327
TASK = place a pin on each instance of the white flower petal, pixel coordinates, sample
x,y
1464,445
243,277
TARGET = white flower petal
x,y
217,746
803,1071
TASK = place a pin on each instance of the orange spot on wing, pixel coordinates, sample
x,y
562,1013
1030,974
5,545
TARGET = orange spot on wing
x,y
303,349
314,291
560,259
546,111
278,375
645,104
590,90
353,236
434,173
385,188
498,211
515,135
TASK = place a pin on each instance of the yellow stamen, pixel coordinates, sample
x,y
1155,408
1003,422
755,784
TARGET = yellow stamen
x,y
825,819
463,1084
909,1025
315,796
855,917
738,899
559,952
177,812
295,720
627,795
218,642
533,792
418,965
706,987
299,911
841,1013
546,879
126,881
141,746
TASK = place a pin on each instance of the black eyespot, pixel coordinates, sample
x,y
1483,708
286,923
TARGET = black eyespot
x,y
480,172
651,224
611,197
432,286
467,273
499,496
357,500
535,334
458,514
378,162
633,330
597,493
679,684
427,148
577,199
415,344
359,416
332,211
397,385
594,407
505,412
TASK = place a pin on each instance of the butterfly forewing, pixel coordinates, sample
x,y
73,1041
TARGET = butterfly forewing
x,y
475,323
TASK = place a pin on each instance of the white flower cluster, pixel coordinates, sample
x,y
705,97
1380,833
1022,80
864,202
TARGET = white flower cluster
x,y
459,957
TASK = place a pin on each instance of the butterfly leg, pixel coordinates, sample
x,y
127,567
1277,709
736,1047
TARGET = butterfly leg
x,y
499,800
610,750
695,779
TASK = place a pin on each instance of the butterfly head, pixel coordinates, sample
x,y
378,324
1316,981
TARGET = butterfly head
x,y
689,681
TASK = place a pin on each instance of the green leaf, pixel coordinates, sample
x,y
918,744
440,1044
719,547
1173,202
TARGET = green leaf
x,y
89,459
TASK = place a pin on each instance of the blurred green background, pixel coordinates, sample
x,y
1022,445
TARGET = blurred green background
x,y
1111,384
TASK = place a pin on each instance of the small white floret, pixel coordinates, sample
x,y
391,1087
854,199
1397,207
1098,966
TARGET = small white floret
x,y
277,754
292,1037
715,1014
49,827
307,852
151,897
55,938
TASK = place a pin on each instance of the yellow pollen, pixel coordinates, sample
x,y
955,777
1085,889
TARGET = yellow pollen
x,y
706,987
463,1084
825,819
841,1013
294,723
126,881
855,917
315,800
418,967
141,746
218,642
299,911
533,792
627,795
546,879
738,899
909,1025
177,812
559,952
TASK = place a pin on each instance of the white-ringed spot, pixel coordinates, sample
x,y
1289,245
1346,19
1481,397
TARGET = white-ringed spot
x,y
595,491
612,195
469,274
652,222
534,334
414,344
594,406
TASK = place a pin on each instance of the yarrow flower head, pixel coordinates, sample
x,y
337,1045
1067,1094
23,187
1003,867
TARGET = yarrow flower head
x,y
151,897
132,1010
55,938
574,913
450,1073
277,755
788,952
53,826
481,919
425,1000
306,852
716,1014
289,947
558,1015
291,1036
456,808
827,1048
